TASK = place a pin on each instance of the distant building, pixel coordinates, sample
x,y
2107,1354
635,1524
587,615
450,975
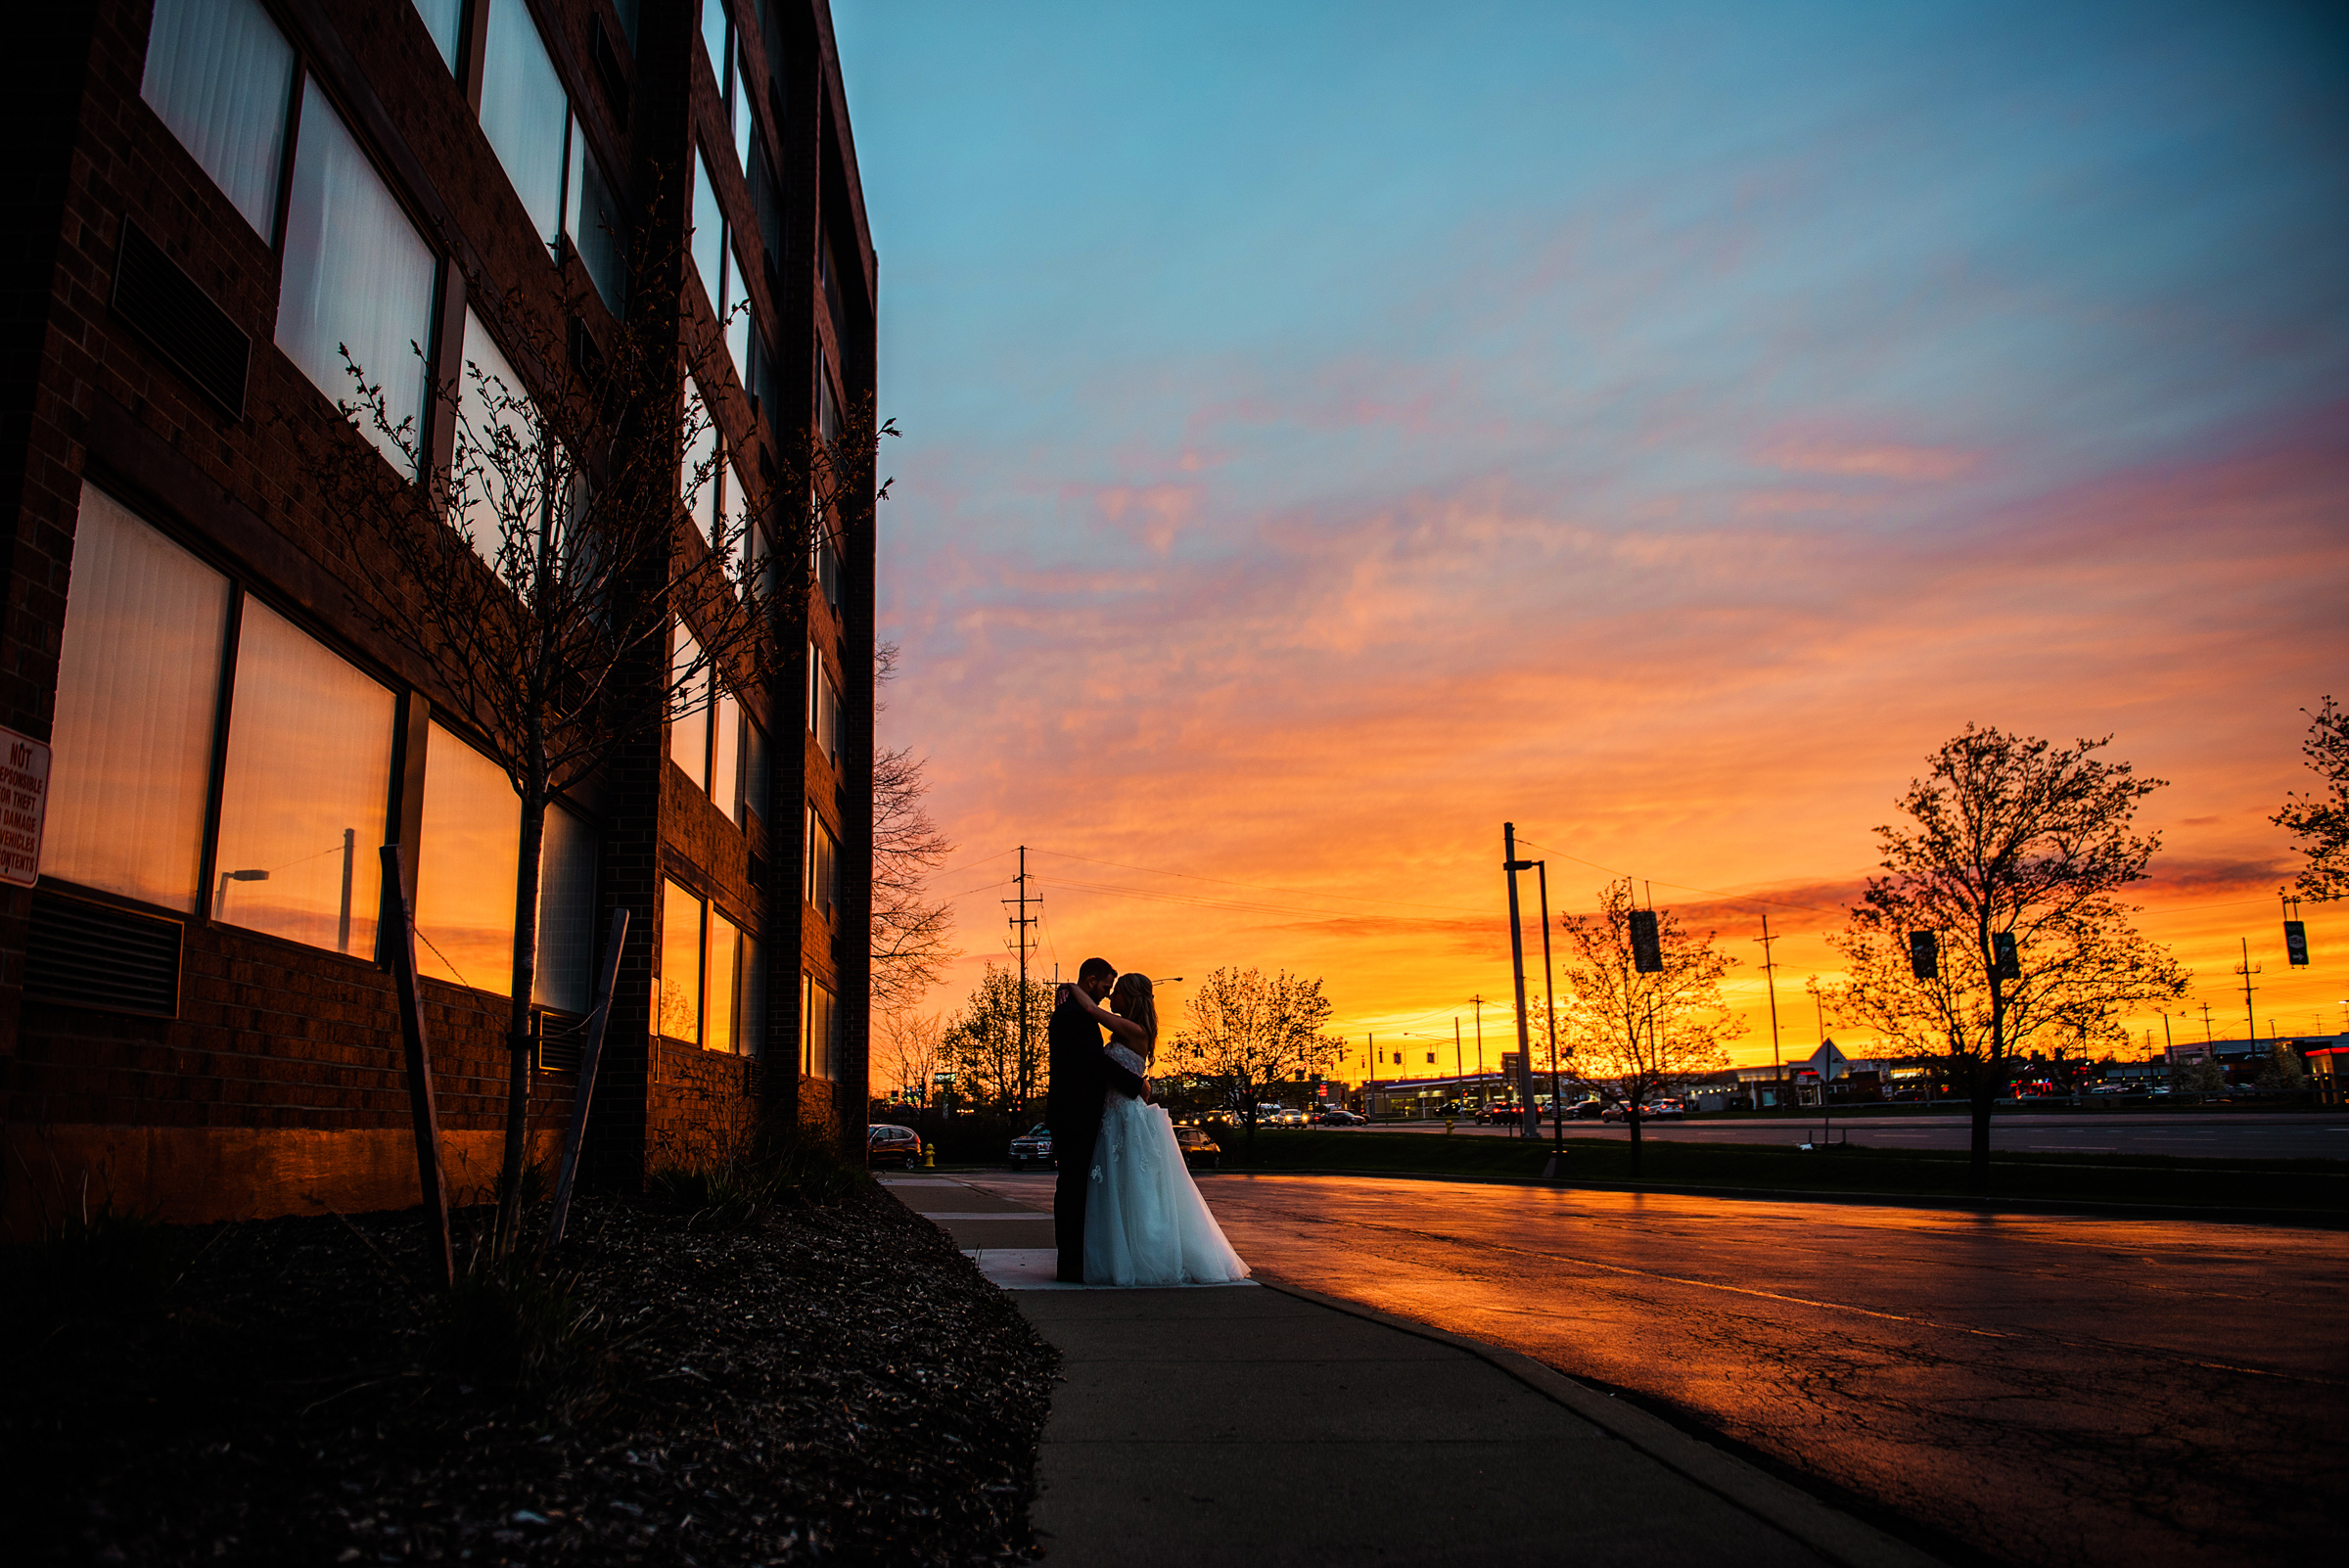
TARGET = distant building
x,y
208,198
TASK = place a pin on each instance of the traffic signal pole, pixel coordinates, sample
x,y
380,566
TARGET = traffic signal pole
x,y
1531,1122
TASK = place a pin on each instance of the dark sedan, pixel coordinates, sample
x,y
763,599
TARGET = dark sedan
x,y
1197,1147
886,1144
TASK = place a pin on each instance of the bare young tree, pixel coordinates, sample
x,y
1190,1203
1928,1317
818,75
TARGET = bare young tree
x,y
913,1049
1247,1030
1641,1033
2321,821
2009,840
998,1063
910,949
588,567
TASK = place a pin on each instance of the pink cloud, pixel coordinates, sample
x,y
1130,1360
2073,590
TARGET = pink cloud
x,y
1910,464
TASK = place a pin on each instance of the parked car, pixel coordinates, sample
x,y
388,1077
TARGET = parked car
x,y
887,1144
1198,1148
1669,1110
1585,1109
1342,1119
1034,1147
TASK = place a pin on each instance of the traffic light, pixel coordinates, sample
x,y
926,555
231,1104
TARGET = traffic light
x,y
1648,947
1924,955
2295,943
2006,965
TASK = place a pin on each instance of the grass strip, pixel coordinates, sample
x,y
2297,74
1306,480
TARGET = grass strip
x,y
2316,1186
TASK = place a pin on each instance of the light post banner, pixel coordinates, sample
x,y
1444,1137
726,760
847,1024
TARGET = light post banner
x,y
23,806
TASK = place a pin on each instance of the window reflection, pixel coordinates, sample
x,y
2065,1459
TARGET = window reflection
x,y
819,1029
725,761
722,996
355,275
303,795
689,731
221,75
709,231
525,112
465,868
444,20
750,1032
701,477
595,226
753,773
137,683
501,438
680,964
566,923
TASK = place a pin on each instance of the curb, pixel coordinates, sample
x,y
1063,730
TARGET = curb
x,y
1833,1534
2307,1219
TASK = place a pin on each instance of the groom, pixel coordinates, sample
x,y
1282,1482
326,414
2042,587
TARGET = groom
x,y
1081,1076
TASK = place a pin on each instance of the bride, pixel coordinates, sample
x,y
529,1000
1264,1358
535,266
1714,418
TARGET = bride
x,y
1144,1221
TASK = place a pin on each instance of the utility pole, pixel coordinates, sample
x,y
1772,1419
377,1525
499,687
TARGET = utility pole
x,y
1457,1071
2248,969
1019,927
1770,978
1525,1066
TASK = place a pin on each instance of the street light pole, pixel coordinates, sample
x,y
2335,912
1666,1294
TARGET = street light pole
x,y
1531,1125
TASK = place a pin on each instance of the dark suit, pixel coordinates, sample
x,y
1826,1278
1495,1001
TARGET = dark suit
x,y
1081,1076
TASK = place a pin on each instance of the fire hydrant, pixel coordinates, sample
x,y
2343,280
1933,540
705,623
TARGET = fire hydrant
x,y
929,1156
1447,1127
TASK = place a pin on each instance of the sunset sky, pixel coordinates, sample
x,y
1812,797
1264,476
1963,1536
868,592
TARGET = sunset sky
x,y
1332,430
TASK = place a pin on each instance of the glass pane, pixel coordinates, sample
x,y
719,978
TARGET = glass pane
x,y
355,273
701,477
714,37
523,111
750,1028
718,986
220,74
477,464
138,679
689,731
680,964
738,320
819,1057
709,231
627,10
595,226
566,923
303,798
753,773
725,762
738,96
465,868
442,18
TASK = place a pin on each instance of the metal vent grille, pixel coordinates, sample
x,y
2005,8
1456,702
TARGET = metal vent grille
x,y
96,956
562,1041
164,305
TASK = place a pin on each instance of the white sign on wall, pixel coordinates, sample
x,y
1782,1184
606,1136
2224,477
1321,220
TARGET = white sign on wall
x,y
23,805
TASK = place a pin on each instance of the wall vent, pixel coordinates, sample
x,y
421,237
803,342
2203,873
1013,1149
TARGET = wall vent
x,y
562,1041
164,305
97,956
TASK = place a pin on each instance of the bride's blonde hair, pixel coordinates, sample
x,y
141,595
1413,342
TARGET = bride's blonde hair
x,y
1129,999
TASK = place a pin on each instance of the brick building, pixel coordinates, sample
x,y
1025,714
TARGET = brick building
x,y
210,199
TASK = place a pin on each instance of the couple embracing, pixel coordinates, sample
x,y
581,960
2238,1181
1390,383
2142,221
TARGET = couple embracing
x,y
1124,1210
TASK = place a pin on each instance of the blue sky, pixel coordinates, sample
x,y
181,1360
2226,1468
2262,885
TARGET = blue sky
x,y
1343,426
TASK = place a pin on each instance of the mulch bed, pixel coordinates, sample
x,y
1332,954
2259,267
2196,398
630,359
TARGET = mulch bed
x,y
832,1382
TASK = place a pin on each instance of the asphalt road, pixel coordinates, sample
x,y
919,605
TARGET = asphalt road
x,y
2044,1390
2261,1135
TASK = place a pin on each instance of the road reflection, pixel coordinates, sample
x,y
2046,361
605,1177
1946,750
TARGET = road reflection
x,y
2050,1391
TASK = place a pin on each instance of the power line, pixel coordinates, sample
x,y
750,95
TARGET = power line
x,y
1261,887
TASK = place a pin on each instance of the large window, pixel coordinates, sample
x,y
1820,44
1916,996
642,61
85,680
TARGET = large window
x,y
709,742
138,683
823,865
221,75
702,474
525,114
710,995
465,877
356,276
689,731
819,1029
304,796
714,259
823,705
592,218
491,427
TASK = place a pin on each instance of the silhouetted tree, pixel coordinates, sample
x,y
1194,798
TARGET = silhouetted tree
x,y
1641,1033
1246,1030
2006,836
995,1064
2321,821
909,938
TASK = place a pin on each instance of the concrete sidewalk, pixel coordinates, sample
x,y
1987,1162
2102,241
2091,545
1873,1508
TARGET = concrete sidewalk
x,y
1264,1424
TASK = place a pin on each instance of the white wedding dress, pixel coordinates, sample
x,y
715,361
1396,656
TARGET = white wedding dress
x,y
1144,1221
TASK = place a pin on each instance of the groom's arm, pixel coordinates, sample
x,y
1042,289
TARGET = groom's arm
x,y
1122,1081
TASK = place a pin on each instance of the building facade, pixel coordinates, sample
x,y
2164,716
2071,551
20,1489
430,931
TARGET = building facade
x,y
216,202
